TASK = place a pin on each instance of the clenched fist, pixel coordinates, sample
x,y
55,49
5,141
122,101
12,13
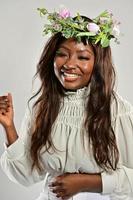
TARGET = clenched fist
x,y
6,110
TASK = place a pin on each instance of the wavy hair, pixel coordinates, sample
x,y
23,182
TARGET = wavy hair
x,y
98,120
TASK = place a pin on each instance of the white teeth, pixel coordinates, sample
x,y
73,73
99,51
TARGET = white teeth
x,y
70,75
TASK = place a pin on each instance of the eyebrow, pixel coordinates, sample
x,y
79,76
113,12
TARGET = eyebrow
x,y
79,51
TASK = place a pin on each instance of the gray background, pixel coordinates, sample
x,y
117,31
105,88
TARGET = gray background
x,y
21,43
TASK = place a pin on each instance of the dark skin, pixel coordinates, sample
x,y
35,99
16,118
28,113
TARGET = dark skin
x,y
73,66
69,184
6,118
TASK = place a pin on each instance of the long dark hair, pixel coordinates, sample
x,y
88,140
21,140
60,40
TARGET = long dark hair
x,y
98,120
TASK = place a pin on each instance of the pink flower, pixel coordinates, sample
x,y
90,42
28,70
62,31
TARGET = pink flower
x,y
64,13
92,27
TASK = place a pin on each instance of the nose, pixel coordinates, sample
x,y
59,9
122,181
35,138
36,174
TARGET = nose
x,y
70,63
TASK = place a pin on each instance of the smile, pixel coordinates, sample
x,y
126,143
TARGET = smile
x,y
70,75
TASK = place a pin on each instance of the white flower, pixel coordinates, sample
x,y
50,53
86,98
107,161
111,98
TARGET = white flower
x,y
104,20
92,27
115,31
57,27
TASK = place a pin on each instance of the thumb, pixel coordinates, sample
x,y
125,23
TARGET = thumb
x,y
10,99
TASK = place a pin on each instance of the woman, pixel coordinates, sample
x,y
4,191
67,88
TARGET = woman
x,y
77,135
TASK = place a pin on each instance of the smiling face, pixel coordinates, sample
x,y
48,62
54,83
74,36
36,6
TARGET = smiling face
x,y
73,64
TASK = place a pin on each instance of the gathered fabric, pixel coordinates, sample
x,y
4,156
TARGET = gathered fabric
x,y
73,154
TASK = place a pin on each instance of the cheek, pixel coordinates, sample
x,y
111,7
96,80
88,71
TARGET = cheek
x,y
57,69
59,61
88,68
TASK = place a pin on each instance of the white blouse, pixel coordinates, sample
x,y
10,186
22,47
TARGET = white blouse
x,y
74,155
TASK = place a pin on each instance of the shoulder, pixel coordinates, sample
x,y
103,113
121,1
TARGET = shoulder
x,y
120,106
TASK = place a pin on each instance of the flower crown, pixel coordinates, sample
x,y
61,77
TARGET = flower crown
x,y
102,28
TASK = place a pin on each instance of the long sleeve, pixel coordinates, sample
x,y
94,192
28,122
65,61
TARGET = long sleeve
x,y
120,182
16,162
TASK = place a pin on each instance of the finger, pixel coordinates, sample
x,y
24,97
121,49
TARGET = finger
x,y
56,183
57,190
2,112
3,97
63,196
4,105
60,194
4,100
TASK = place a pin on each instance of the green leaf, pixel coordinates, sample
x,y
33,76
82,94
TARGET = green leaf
x,y
42,11
105,41
104,14
86,34
67,33
97,40
79,18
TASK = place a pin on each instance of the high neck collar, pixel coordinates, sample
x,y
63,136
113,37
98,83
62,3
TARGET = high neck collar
x,y
81,93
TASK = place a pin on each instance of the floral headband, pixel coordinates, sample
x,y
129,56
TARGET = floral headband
x,y
102,28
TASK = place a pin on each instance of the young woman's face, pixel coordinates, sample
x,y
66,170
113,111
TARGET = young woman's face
x,y
73,64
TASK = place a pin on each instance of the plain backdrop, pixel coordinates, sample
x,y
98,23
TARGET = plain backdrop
x,y
21,43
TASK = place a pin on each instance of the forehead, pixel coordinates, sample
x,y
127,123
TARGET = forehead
x,y
72,44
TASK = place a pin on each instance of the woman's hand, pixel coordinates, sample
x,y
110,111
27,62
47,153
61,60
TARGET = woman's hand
x,y
67,185
6,118
6,111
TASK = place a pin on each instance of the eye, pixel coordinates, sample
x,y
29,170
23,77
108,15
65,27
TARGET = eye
x,y
83,58
60,54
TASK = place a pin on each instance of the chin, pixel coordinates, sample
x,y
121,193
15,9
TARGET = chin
x,y
72,87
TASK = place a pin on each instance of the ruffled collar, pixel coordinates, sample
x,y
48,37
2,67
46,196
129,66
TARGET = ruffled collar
x,y
81,93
